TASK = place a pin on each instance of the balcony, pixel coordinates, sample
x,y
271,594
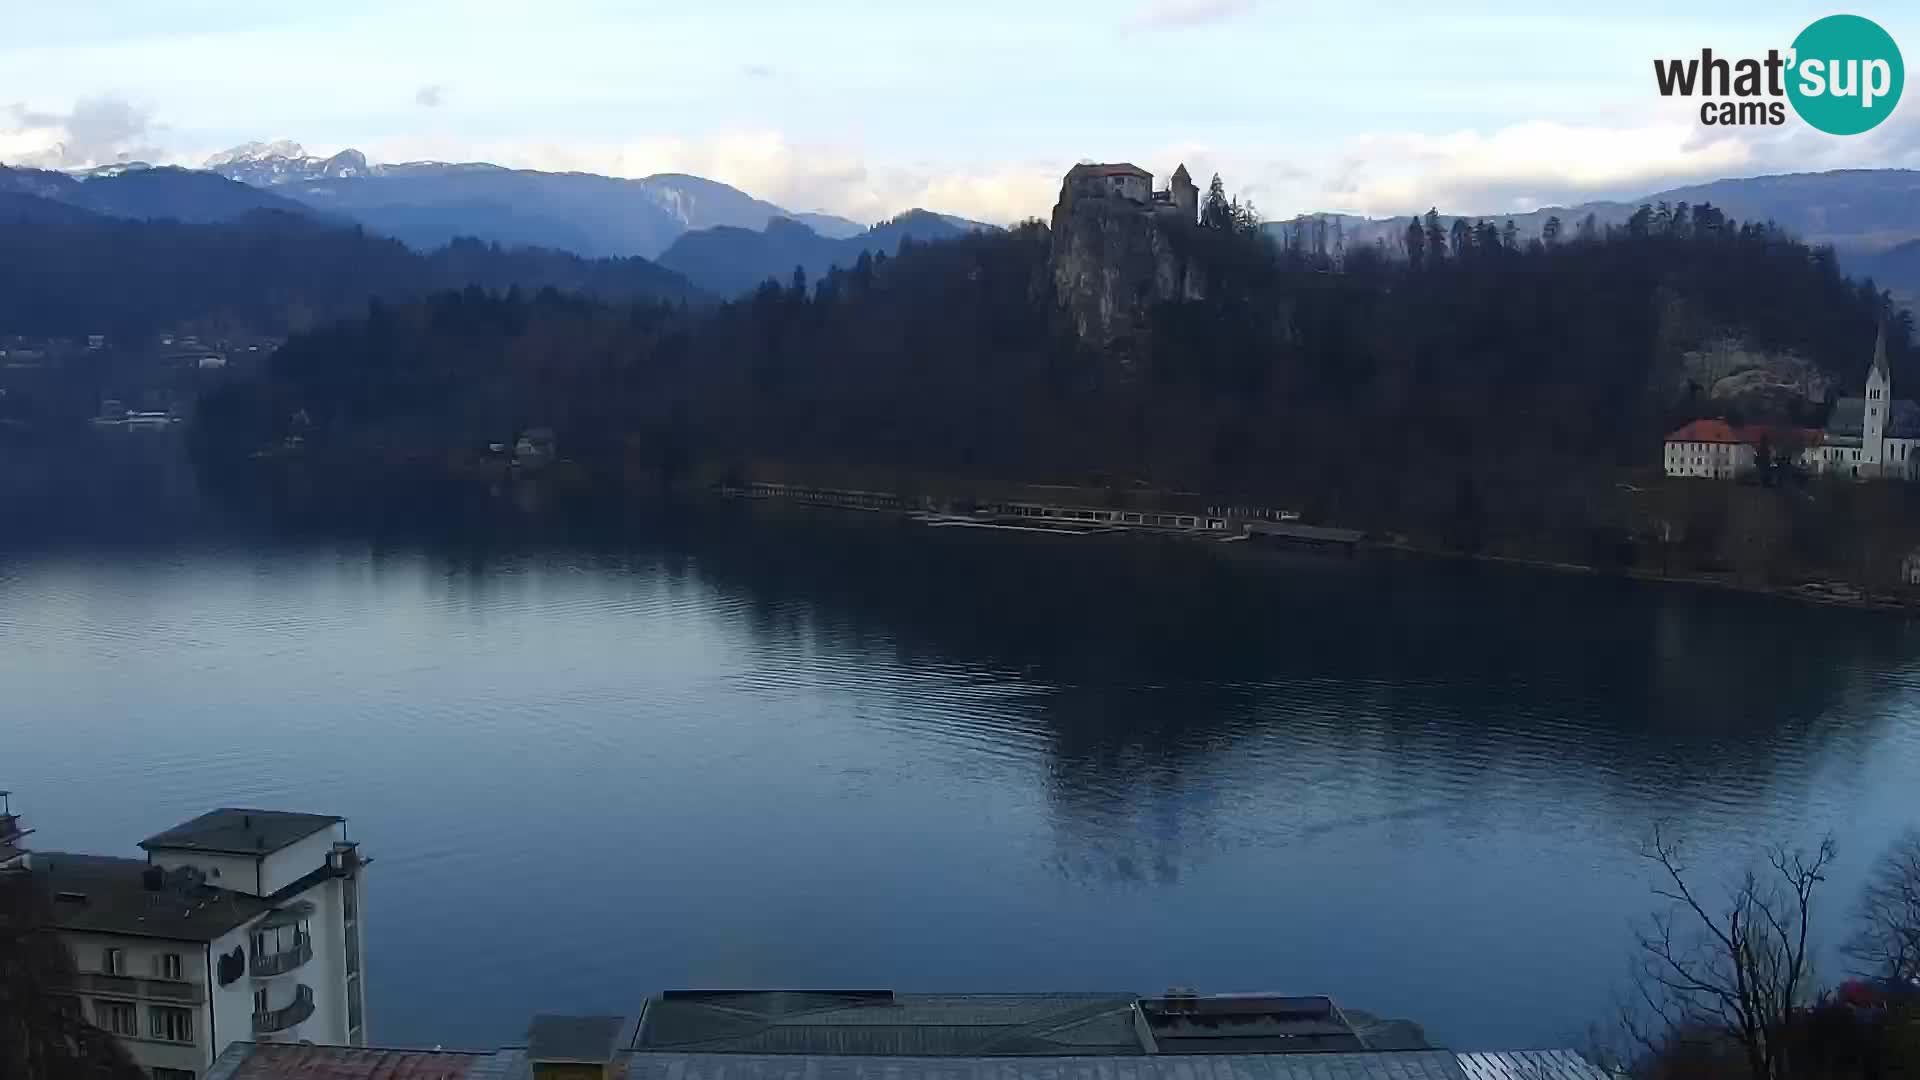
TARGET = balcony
x,y
279,963
126,986
275,1020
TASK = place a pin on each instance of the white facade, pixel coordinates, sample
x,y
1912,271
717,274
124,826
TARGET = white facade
x,y
1717,460
286,921
1882,443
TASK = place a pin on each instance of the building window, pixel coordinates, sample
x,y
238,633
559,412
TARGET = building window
x,y
170,965
113,961
260,1002
169,1024
115,1016
172,1074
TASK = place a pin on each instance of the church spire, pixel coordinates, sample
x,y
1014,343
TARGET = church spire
x,y
1880,351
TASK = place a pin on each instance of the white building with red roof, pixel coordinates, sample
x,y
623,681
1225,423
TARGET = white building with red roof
x,y
1710,448
1873,436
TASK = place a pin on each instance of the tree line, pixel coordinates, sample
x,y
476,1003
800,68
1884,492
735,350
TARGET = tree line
x,y
1487,379
268,273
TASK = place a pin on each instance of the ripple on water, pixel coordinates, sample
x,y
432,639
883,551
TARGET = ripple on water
x,y
808,759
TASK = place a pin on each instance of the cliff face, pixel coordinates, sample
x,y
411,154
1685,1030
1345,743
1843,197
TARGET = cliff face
x,y
1112,259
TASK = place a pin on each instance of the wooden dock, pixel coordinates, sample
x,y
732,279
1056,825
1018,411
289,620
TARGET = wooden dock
x,y
1275,532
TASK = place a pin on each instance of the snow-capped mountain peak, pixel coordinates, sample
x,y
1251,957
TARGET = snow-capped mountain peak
x,y
284,161
256,151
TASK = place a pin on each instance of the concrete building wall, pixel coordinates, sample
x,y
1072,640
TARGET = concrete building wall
x,y
241,873
1719,461
295,861
145,985
231,1005
1115,185
1903,458
1873,421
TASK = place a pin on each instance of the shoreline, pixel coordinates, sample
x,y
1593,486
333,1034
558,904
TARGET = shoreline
x,y
1861,600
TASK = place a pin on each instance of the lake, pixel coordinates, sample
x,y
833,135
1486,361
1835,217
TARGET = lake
x,y
738,747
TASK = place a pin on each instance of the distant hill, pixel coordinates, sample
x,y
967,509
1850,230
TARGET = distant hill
x,y
1857,211
831,226
730,261
69,271
426,203
148,193
1896,269
16,208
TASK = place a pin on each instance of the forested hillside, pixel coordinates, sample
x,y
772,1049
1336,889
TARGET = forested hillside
x,y
68,273
1483,372
728,261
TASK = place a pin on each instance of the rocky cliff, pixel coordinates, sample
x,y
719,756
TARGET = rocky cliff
x,y
1112,258
1763,383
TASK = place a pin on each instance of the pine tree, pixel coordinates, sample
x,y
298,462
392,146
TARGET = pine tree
x,y
1436,238
1215,211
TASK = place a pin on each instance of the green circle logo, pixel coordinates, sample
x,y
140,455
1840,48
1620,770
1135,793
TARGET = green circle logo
x,y
1846,76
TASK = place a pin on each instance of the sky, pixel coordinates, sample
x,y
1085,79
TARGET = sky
x,y
865,109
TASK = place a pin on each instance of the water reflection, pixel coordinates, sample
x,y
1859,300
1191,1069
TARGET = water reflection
x,y
792,748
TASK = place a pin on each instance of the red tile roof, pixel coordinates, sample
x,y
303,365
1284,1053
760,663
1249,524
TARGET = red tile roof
x,y
274,1062
1708,431
1719,431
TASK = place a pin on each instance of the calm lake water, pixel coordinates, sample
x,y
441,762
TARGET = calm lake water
x,y
811,750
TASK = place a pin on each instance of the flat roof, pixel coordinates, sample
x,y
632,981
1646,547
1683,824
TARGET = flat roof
x,y
591,1040
234,830
270,1061
1529,1064
107,895
885,1023
1388,1065
250,1061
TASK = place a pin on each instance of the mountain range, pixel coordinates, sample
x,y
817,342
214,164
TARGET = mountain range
x,y
1857,211
185,195
728,261
726,241
427,203
70,271
1871,218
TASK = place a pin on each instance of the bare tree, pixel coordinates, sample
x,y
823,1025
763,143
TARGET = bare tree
x,y
1735,970
1887,945
42,1034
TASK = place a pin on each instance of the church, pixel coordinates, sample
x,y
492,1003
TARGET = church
x,y
1875,436
1870,437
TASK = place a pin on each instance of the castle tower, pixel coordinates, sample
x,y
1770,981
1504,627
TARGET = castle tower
x,y
1185,195
1879,402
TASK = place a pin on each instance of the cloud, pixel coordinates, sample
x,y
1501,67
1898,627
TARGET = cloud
x,y
431,96
1522,167
98,131
758,71
1171,14
1509,169
768,165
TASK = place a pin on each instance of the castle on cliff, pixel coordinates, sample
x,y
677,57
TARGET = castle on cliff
x,y
1123,180
1118,247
